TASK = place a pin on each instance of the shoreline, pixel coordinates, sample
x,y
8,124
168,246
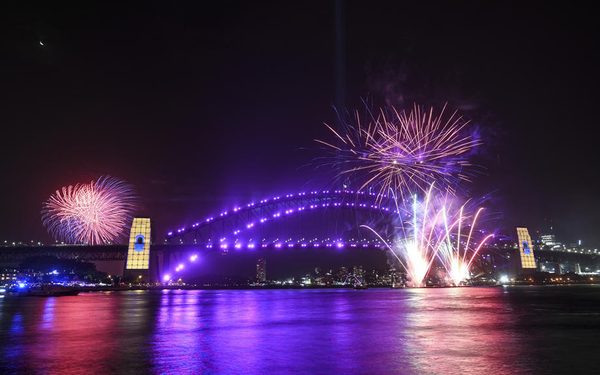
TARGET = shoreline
x,y
298,287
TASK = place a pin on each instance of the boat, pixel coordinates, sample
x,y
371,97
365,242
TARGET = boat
x,y
52,291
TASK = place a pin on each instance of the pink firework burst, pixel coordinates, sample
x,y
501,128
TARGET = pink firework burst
x,y
94,213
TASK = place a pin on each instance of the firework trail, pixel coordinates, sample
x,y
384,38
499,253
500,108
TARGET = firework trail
x,y
432,230
93,213
404,151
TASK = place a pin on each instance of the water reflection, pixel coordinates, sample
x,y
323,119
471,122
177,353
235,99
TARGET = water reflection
x,y
47,319
178,345
74,341
455,330
418,331
470,331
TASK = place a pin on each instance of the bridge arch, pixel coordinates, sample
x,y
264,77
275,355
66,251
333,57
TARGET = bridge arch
x,y
244,226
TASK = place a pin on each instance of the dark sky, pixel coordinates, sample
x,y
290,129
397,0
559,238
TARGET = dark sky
x,y
201,105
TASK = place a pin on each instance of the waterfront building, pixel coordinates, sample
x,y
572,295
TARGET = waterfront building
x,y
8,275
261,270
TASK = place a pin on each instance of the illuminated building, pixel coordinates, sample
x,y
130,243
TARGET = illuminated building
x,y
8,275
525,249
342,275
261,270
138,253
548,239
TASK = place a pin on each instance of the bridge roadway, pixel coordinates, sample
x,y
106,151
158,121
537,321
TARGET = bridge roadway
x,y
165,257
11,255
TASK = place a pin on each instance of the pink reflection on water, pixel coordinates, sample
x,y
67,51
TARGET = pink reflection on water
x,y
73,333
463,331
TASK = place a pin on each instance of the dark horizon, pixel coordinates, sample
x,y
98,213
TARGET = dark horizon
x,y
204,107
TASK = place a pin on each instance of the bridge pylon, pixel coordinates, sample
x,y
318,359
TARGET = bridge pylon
x,y
137,266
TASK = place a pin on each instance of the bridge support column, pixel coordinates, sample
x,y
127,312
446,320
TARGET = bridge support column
x,y
137,266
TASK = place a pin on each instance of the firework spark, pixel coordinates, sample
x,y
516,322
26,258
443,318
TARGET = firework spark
x,y
405,151
432,230
93,213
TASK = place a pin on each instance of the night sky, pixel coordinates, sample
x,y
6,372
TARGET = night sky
x,y
201,106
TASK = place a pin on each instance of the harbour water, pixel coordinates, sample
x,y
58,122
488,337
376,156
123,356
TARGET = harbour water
x,y
495,330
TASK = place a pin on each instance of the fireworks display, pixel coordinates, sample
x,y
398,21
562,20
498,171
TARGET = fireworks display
x,y
433,230
403,151
94,213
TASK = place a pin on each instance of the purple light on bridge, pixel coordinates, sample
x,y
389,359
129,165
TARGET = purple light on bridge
x,y
193,258
339,245
278,245
166,277
251,246
238,245
289,211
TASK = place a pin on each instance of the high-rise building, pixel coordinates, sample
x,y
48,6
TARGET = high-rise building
x,y
261,270
525,249
548,239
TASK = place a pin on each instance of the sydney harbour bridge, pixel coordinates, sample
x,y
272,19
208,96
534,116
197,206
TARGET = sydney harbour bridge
x,y
314,221
310,223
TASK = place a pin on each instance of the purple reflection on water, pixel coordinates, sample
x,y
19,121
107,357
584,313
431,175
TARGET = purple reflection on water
x,y
335,331
312,331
